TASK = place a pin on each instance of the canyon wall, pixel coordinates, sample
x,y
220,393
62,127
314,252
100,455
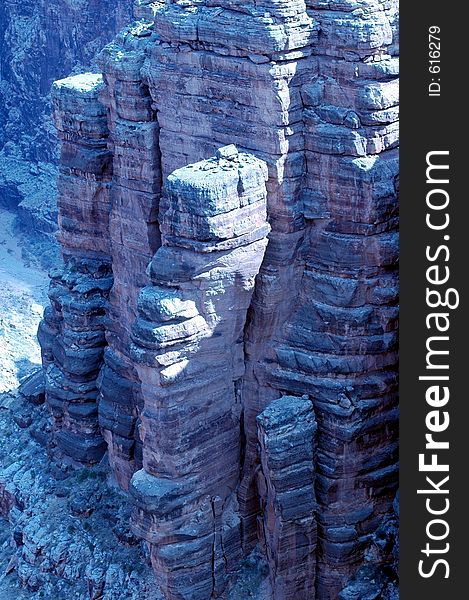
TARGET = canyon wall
x,y
41,41
242,368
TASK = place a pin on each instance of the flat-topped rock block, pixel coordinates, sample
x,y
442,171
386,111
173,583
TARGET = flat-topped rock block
x,y
86,84
155,495
32,388
246,26
187,346
78,113
218,185
221,198
227,152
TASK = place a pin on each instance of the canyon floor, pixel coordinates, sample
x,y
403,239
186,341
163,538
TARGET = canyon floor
x,y
22,298
65,531
66,523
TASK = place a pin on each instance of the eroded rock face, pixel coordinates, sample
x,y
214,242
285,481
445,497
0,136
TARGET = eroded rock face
x,y
188,350
134,237
287,437
296,103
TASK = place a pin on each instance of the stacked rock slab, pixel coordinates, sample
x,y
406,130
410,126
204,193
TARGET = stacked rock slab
x,y
287,435
188,349
72,334
134,237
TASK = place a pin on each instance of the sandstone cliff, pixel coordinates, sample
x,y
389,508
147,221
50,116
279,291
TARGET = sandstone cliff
x,y
245,383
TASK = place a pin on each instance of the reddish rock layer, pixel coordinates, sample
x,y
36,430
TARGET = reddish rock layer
x,y
134,238
188,348
72,334
311,90
287,435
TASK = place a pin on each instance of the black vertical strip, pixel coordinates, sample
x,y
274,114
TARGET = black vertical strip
x,y
434,123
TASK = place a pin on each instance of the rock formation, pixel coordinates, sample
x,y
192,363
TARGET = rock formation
x,y
72,334
224,116
189,351
134,238
287,437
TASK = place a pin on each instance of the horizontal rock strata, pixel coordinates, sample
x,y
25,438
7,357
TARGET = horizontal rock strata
x,y
134,238
340,346
72,334
298,101
188,349
287,436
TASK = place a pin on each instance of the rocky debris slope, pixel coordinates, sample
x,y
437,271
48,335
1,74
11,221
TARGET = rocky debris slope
x,y
224,326
69,536
39,42
28,191
64,533
22,299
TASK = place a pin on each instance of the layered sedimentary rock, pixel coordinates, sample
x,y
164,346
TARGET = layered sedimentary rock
x,y
287,436
188,349
224,327
134,237
72,334
340,345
